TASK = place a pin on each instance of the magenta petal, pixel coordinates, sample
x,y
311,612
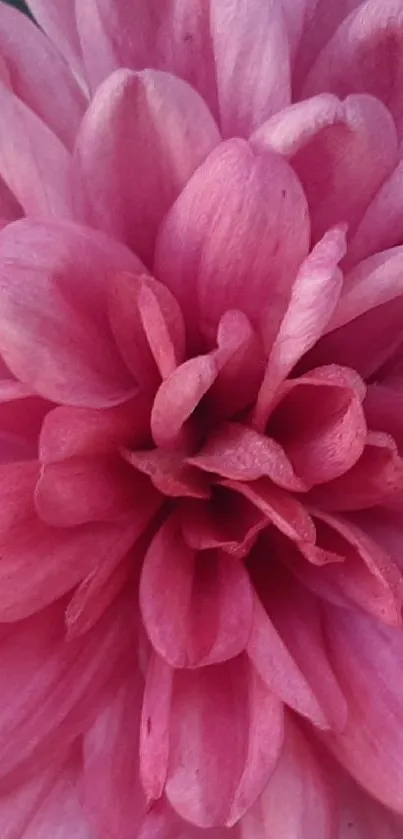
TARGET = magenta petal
x,y
197,609
155,727
367,656
169,473
228,522
143,136
299,802
54,332
226,735
245,258
382,224
178,397
240,359
282,509
252,62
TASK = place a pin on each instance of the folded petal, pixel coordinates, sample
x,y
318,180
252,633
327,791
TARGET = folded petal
x,y
169,473
244,258
178,397
141,140
197,609
240,360
58,20
39,76
298,802
252,62
54,330
226,735
281,508
228,522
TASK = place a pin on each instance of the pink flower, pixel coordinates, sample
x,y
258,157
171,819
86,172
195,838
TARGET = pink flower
x,y
201,416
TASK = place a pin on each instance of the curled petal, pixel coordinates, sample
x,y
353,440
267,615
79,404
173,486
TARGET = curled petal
x,y
228,522
240,360
169,473
178,397
282,509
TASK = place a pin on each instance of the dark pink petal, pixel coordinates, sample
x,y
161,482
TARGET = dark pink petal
x,y
178,397
282,509
140,141
381,226
174,36
148,327
34,163
228,522
245,258
39,76
279,671
367,656
240,359
155,727
367,579
54,331
58,20
299,802
376,478
10,209
252,62
320,423
226,735
363,56
21,418
169,473
80,432
111,765
239,453
197,609
313,299
383,407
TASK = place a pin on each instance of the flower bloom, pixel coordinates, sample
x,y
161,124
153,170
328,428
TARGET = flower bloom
x,y
201,420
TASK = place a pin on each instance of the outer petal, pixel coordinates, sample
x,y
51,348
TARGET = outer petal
x,y
298,802
39,76
59,23
245,257
197,610
142,138
54,330
226,734
366,657
252,62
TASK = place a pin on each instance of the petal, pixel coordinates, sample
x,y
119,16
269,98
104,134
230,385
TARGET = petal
x,y
175,36
58,21
21,419
163,130
95,594
34,163
362,817
321,21
384,408
289,130
228,522
381,226
197,610
178,397
155,727
54,330
282,509
226,734
298,802
169,473
148,327
39,76
111,765
241,361
363,56
243,258
330,433
313,299
252,62
367,656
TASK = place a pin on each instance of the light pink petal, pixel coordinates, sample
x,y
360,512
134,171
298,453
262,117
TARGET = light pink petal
x,y
281,508
155,727
298,802
252,62
295,14
320,423
245,258
110,758
174,36
54,333
39,76
296,616
363,56
367,656
237,452
279,671
77,432
381,226
178,397
226,734
241,361
169,473
52,690
313,299
367,579
376,478
81,490
292,128
140,141
197,609
148,327
228,522
34,163
58,20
